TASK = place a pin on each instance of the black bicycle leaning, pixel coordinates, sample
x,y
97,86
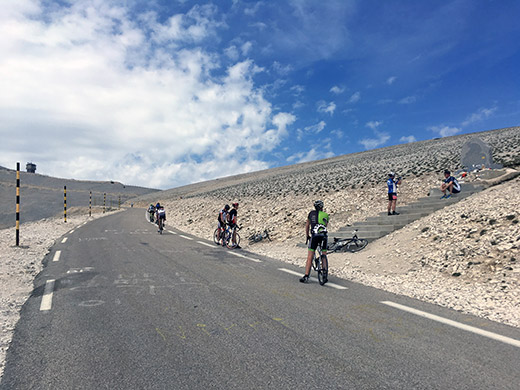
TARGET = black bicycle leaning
x,y
257,237
317,265
354,244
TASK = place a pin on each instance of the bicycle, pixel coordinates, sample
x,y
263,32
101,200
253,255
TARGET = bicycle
x,y
354,244
226,236
317,265
257,237
161,225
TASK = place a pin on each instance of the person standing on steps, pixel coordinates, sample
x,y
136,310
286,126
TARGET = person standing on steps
x,y
392,184
449,184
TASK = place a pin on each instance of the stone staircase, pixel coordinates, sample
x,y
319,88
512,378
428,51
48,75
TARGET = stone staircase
x,y
376,227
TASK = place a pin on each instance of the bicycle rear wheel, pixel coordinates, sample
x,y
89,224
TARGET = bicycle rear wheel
x,y
160,225
319,270
356,245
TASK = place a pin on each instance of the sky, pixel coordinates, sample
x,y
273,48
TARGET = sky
x,y
163,93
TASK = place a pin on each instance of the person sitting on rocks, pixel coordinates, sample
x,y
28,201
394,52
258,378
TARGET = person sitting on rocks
x,y
449,184
392,184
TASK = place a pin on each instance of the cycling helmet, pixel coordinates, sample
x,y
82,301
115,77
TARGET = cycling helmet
x,y
391,174
226,207
318,205
235,205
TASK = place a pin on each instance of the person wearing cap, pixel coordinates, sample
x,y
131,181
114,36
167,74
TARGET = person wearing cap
x,y
449,184
392,184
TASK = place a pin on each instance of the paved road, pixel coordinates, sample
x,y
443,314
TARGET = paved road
x,y
119,306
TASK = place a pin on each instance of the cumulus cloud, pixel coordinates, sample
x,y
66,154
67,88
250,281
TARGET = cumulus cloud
x,y
408,139
311,155
372,143
327,108
99,95
444,131
373,124
337,90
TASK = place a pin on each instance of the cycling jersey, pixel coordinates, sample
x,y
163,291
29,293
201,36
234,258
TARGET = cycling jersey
x,y
233,217
161,214
392,185
222,218
319,221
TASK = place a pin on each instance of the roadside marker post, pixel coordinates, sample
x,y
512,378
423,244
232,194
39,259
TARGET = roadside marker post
x,y
90,205
104,201
65,204
17,204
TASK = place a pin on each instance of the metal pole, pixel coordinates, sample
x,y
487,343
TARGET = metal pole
x,y
119,204
104,201
65,203
17,204
90,205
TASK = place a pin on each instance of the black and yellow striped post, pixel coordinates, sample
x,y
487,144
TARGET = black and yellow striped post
x,y
104,202
17,204
119,204
90,205
65,203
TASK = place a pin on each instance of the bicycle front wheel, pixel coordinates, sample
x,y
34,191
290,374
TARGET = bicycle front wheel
x,y
356,245
229,242
216,236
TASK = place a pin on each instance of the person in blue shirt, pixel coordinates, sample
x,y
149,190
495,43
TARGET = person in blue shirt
x,y
392,184
449,184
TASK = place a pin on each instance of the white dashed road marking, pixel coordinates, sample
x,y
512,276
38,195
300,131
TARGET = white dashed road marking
x,y
46,303
329,284
64,240
206,244
455,324
187,238
57,256
245,257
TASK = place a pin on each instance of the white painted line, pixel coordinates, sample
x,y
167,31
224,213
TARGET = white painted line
x,y
64,240
205,243
187,238
328,284
46,303
169,231
245,257
57,256
72,231
455,324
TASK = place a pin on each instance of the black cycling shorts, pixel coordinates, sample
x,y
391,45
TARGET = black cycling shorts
x,y
315,241
392,196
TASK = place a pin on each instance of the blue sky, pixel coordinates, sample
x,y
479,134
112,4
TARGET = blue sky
x,y
164,93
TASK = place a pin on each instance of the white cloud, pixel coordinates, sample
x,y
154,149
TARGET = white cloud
x,y
317,128
356,96
372,143
444,131
408,100
408,139
327,108
480,115
100,96
391,80
311,155
373,124
337,90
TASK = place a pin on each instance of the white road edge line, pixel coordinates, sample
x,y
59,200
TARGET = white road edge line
x,y
333,285
57,256
64,240
187,238
46,303
245,257
468,328
172,232
206,244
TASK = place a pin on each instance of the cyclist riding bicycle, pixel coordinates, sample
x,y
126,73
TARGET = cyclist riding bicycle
x,y
151,211
232,222
316,232
222,220
161,216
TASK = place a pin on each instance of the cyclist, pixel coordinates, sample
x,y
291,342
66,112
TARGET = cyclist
x,y
222,220
316,226
151,211
232,222
392,184
161,217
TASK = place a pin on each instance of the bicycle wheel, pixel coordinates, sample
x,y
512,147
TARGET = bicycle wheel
x,y
160,225
229,242
216,236
356,245
321,274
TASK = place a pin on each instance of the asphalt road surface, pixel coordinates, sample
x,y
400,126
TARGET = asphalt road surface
x,y
119,306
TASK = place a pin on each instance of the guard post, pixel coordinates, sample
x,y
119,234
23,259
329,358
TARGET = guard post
x,y
90,205
65,203
17,204
104,202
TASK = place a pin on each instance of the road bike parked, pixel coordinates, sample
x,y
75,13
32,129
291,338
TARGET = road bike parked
x,y
354,244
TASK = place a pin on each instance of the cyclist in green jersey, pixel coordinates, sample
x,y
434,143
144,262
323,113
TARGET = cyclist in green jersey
x,y
316,232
